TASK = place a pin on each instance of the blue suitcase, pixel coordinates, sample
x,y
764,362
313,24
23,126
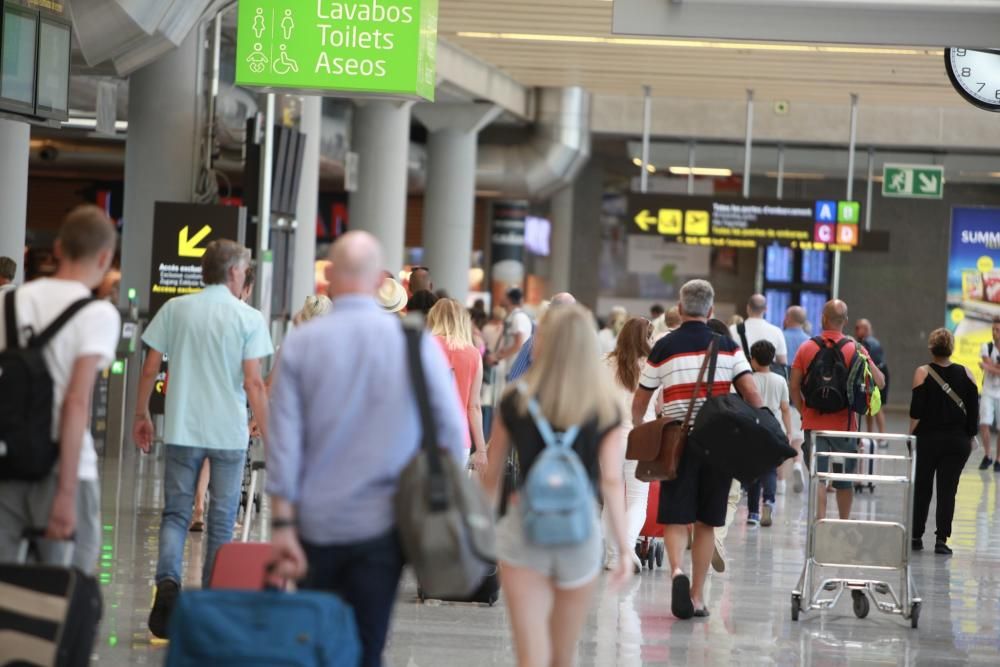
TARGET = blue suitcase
x,y
223,628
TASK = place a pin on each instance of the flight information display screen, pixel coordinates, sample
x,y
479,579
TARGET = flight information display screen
x,y
17,59
778,302
815,267
813,303
779,265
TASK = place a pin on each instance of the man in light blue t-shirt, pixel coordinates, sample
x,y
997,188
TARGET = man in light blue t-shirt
x,y
215,343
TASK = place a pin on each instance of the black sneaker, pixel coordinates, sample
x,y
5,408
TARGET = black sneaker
x,y
985,463
163,606
917,544
996,466
942,548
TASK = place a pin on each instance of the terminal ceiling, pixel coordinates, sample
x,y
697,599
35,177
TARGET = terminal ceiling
x,y
569,42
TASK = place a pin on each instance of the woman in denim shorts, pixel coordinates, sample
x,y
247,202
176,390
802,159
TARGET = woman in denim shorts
x,y
548,589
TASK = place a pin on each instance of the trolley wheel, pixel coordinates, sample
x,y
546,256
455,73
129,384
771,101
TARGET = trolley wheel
x,y
796,606
659,552
861,607
914,615
639,551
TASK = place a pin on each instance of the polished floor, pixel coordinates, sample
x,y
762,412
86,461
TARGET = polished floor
x,y
750,603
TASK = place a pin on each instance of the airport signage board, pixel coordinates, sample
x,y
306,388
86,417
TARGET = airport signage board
x,y
921,181
181,232
746,223
379,47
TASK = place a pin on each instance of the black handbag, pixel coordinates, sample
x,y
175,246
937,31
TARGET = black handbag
x,y
736,439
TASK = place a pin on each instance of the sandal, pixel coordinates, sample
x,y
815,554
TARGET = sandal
x,y
701,613
197,527
680,601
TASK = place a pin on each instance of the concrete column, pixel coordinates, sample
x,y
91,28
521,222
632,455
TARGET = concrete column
x,y
381,138
304,250
160,153
450,194
588,245
560,257
15,140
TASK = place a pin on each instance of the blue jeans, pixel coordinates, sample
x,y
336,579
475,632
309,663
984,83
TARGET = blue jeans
x,y
366,575
768,482
179,481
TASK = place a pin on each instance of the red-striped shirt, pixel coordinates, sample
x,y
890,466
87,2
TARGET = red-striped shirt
x,y
675,361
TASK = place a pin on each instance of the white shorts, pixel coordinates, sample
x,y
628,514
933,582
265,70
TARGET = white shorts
x,y
989,410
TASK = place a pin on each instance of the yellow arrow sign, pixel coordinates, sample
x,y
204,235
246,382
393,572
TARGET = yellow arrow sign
x,y
644,220
188,247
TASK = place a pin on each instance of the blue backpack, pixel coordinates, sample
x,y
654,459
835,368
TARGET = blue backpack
x,y
557,498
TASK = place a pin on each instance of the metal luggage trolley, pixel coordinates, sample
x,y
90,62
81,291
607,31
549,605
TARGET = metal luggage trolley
x,y
876,546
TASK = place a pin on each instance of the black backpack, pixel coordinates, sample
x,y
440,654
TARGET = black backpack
x,y
825,385
27,452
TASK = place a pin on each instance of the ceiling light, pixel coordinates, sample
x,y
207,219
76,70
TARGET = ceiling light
x,y
637,161
797,175
701,171
650,168
77,123
702,44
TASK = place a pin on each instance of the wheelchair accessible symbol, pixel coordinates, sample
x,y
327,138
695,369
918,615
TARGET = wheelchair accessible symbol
x,y
284,64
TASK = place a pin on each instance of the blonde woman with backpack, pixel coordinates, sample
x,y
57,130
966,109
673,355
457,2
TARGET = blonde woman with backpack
x,y
562,420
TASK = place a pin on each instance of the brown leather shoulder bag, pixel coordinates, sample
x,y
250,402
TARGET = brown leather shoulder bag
x,y
659,445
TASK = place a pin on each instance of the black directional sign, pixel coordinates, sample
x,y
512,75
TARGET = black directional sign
x,y
181,232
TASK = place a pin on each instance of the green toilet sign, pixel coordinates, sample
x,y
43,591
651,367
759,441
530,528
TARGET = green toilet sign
x,y
382,47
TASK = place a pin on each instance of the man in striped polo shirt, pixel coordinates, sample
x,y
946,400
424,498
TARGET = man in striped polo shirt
x,y
700,493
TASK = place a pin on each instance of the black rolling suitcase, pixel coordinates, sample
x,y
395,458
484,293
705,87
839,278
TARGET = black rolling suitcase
x,y
48,614
865,446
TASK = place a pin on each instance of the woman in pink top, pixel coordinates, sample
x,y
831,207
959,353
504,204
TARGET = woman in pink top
x,y
451,325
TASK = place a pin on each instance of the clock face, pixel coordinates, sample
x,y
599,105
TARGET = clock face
x,y
976,75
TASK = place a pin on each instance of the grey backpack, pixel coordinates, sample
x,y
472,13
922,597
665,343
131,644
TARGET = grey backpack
x,y
445,522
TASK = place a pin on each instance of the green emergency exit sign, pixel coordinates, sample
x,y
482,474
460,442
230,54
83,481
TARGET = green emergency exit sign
x,y
924,181
384,47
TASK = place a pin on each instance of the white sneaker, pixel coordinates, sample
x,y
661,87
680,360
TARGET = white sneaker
x,y
798,478
781,487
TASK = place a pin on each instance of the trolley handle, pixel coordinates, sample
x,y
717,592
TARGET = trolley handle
x,y
858,435
866,457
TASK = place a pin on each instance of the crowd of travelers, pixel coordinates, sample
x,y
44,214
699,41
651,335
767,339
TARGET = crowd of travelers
x,y
516,401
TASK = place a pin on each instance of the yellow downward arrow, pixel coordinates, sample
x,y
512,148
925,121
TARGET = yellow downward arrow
x,y
188,247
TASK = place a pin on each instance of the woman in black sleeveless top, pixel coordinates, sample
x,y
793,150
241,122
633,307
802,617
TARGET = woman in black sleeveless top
x,y
549,588
944,415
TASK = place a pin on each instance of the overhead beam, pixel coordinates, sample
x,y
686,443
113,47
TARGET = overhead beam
x,y
882,22
926,127
462,74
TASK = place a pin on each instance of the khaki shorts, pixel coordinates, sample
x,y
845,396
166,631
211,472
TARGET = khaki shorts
x,y
569,566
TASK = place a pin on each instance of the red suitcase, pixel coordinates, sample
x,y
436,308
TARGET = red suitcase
x,y
240,566
652,528
650,547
